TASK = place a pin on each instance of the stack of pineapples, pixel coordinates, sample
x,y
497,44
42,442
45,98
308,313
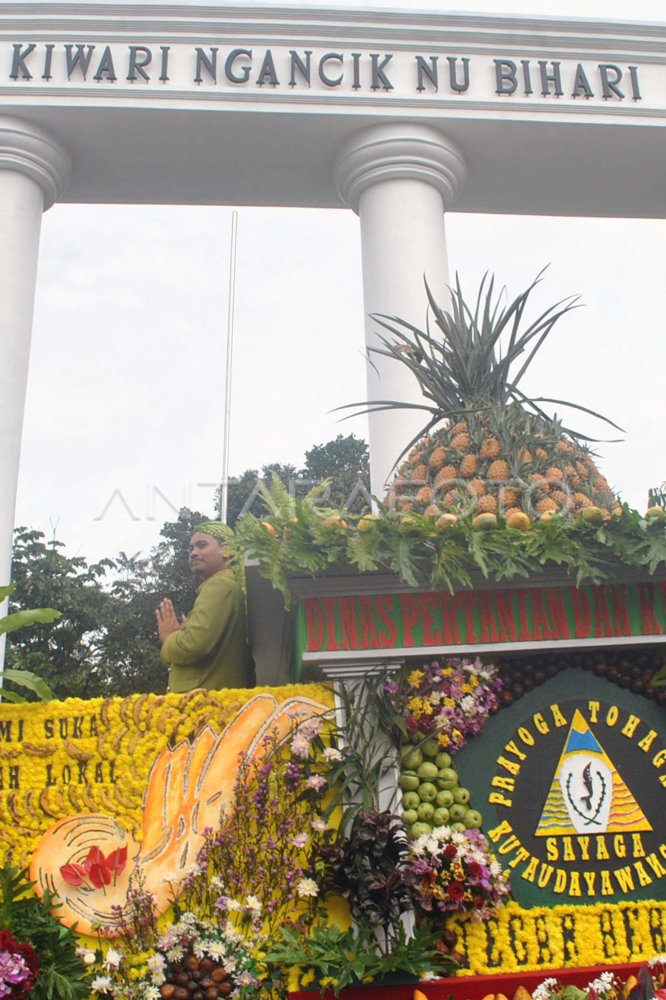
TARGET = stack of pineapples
x,y
488,450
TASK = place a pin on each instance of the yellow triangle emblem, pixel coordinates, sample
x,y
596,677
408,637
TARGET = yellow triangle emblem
x,y
587,794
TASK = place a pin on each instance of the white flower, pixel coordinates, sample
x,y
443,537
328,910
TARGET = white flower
x,y
301,840
216,949
86,955
332,755
307,887
232,905
113,959
151,993
319,825
217,882
300,746
544,989
311,727
101,984
253,903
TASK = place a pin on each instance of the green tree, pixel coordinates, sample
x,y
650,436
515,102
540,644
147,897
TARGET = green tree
x,y
66,653
344,461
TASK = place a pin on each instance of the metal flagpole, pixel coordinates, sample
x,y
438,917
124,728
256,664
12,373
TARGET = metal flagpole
x,y
224,492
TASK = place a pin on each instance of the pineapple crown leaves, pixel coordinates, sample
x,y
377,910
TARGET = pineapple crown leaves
x,y
467,367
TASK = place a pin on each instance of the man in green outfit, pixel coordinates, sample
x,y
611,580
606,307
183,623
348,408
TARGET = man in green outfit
x,y
208,649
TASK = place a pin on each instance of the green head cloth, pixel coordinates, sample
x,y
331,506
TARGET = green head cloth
x,y
217,529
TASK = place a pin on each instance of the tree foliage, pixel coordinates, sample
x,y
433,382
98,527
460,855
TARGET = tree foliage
x,y
344,461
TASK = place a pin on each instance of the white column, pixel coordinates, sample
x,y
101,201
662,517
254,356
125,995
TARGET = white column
x,y
33,172
399,178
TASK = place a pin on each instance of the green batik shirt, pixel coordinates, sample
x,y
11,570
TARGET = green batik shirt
x,y
211,650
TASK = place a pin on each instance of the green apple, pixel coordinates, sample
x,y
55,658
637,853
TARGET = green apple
x,y
410,816
440,816
457,813
426,811
461,795
410,800
445,798
419,829
458,827
473,819
427,770
443,759
427,792
410,757
447,778
430,748
409,781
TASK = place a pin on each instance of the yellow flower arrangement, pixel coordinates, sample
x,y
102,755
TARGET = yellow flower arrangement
x,y
560,936
62,758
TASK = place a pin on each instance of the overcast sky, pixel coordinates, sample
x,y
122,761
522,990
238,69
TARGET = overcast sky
x,y
125,402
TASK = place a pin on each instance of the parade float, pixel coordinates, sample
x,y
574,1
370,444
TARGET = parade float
x,y
472,792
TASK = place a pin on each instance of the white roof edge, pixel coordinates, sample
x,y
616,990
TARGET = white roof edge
x,y
317,10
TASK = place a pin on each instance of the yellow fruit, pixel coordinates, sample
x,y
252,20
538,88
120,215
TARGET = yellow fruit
x,y
509,496
490,448
446,475
367,522
629,985
334,521
477,487
548,515
655,514
418,995
461,442
437,458
617,512
592,514
270,528
498,470
446,521
486,505
469,465
518,520
522,994
484,522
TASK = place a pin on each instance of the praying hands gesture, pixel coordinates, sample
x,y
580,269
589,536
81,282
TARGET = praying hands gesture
x,y
167,619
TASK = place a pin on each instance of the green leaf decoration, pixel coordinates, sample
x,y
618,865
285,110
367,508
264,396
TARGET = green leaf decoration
x,y
28,680
23,619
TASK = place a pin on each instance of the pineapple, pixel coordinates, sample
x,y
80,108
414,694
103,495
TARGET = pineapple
x,y
488,448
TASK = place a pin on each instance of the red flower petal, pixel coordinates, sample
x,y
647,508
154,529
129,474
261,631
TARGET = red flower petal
x,y
117,860
74,874
99,875
95,857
